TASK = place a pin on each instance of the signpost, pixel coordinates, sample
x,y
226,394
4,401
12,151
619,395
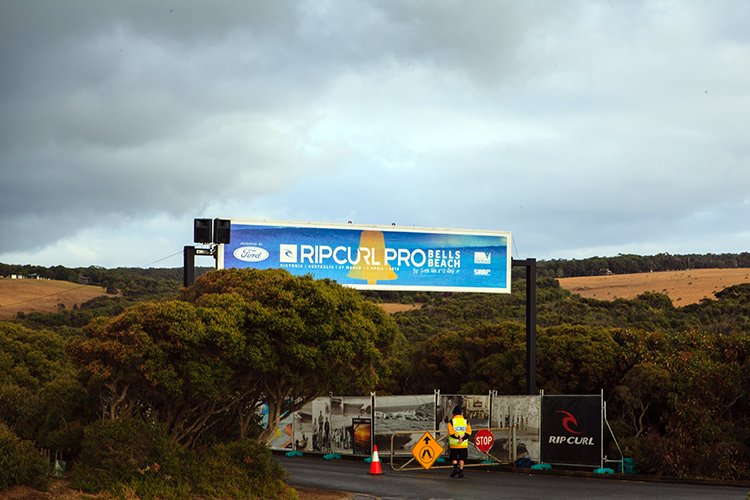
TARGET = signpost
x,y
427,450
484,440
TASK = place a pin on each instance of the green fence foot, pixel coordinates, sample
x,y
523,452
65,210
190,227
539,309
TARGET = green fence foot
x,y
541,467
604,470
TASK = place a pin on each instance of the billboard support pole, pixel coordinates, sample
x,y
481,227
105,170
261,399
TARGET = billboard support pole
x,y
188,262
188,266
530,265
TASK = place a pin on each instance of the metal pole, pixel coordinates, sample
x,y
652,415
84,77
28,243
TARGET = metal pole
x,y
188,266
602,417
530,265
531,327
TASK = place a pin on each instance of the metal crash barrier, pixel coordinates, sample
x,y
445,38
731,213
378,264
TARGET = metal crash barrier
x,y
504,441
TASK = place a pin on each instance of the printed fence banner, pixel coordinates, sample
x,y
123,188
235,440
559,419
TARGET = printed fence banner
x,y
402,414
321,419
523,412
572,430
303,428
362,436
375,257
283,439
344,410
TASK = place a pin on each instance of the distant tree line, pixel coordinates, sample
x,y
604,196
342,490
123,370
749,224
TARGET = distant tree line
x,y
133,282
628,264
158,282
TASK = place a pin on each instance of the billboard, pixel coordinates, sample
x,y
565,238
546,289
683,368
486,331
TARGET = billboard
x,y
374,257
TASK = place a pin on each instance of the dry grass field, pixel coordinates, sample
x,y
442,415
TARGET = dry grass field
x,y
683,287
391,308
42,295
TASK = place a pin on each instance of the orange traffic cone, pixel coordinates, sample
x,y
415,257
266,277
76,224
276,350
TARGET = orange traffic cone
x,y
375,467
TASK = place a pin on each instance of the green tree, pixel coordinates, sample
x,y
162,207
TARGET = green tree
x,y
575,359
237,338
169,358
40,396
478,359
644,394
303,337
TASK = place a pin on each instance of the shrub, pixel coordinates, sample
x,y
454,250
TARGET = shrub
x,y
20,461
134,458
241,469
118,451
680,457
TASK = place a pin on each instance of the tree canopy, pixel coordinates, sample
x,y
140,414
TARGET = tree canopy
x,y
235,339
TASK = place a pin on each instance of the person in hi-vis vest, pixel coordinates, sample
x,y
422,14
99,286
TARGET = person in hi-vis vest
x,y
459,431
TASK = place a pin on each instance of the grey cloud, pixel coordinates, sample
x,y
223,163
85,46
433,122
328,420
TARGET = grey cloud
x,y
583,121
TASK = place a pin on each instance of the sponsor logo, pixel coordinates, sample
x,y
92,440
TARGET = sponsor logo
x,y
568,420
287,253
482,258
579,440
251,254
481,272
570,423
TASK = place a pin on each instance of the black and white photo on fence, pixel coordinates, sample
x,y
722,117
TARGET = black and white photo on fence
x,y
401,414
523,412
321,437
325,425
303,428
310,426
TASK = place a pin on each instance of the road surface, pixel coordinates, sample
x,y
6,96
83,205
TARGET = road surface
x,y
353,476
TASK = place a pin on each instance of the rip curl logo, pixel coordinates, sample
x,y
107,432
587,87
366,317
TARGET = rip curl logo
x,y
287,253
568,420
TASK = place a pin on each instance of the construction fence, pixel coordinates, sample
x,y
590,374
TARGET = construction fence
x,y
555,429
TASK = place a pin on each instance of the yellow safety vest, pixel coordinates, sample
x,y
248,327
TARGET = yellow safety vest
x,y
459,429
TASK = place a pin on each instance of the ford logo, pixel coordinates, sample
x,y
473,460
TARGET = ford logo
x,y
251,254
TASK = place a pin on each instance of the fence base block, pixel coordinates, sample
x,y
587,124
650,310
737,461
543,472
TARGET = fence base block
x,y
541,467
604,470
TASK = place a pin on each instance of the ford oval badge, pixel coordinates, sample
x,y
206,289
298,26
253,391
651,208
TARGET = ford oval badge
x,y
251,254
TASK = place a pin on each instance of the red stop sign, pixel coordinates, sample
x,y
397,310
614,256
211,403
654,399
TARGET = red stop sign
x,y
484,440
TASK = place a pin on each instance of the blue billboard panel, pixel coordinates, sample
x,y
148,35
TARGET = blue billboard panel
x,y
374,257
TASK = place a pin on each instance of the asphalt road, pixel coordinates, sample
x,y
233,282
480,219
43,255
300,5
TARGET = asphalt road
x,y
480,483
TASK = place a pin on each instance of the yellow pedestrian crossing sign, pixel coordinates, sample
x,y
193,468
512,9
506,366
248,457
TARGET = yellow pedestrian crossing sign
x,y
427,450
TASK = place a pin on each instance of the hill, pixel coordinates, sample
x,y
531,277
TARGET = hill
x,y
42,295
683,287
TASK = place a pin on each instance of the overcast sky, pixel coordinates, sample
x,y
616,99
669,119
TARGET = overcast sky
x,y
584,128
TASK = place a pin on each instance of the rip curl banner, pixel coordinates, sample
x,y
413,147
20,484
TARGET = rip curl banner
x,y
374,257
571,432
